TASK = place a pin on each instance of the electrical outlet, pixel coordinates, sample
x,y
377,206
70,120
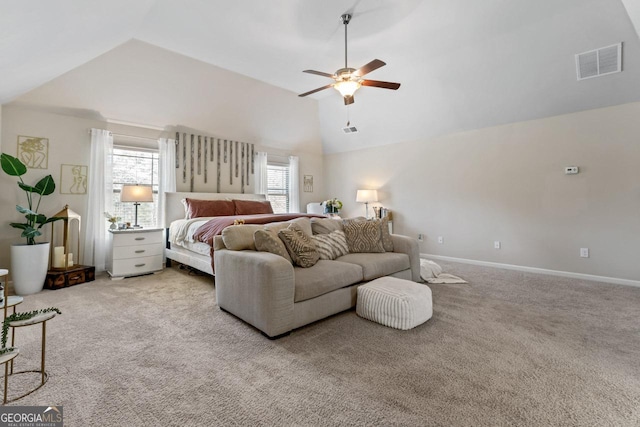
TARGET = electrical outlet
x,y
440,239
584,252
420,237
496,244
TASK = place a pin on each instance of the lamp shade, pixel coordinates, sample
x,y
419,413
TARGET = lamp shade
x,y
136,193
366,196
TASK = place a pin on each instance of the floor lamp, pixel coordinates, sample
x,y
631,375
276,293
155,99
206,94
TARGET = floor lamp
x,y
366,196
136,193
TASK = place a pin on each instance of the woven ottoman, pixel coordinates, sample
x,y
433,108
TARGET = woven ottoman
x,y
393,302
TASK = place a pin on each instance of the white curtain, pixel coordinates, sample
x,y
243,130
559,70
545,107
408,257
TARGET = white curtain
x,y
99,200
260,173
294,184
166,174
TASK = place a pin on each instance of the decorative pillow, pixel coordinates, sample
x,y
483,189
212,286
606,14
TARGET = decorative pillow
x,y
387,243
332,245
268,241
240,237
201,208
299,245
252,207
325,225
363,236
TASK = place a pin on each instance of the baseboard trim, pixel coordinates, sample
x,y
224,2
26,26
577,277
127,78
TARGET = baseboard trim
x,y
570,274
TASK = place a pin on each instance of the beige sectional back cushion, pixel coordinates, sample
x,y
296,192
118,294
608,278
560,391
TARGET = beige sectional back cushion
x,y
240,237
325,225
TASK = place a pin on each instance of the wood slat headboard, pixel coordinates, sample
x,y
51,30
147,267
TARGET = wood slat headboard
x,y
174,209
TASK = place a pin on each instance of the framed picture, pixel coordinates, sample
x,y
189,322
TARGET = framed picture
x,y
33,151
73,179
308,183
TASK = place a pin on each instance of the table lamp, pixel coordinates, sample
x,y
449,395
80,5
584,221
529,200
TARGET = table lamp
x,y
136,193
366,196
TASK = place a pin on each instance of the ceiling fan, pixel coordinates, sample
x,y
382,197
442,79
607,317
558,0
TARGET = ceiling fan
x,y
348,80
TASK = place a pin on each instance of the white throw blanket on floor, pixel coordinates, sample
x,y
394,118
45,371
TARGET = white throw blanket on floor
x,y
432,273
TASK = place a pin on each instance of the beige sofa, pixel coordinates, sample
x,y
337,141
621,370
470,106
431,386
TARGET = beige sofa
x,y
268,292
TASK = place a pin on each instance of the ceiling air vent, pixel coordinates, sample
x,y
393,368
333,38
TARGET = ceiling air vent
x,y
350,129
599,62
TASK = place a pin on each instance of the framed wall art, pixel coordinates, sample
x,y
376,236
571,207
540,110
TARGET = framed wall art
x,y
308,184
33,151
73,179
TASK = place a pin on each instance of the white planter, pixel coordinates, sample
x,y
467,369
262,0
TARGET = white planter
x,y
29,265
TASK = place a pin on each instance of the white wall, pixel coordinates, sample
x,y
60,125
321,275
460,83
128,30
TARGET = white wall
x,y
507,183
68,144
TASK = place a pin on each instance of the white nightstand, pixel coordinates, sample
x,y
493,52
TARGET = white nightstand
x,y
134,252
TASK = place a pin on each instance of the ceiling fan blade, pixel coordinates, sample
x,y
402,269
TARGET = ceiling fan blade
x,y
365,69
319,73
348,100
384,85
316,90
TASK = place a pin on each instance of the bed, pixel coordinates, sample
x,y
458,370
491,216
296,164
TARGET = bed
x,y
189,240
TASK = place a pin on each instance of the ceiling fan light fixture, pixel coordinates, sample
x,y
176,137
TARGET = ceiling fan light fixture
x,y
347,87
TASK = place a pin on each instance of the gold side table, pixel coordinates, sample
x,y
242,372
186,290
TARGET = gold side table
x,y
43,319
8,357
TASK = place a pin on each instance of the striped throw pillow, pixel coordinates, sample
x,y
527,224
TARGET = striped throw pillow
x,y
331,246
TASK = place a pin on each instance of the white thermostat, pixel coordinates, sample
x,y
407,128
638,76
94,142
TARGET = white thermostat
x,y
571,170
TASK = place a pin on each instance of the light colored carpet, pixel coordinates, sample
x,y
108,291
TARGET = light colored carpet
x,y
508,348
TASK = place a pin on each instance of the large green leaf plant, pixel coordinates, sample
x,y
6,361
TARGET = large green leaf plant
x,y
35,221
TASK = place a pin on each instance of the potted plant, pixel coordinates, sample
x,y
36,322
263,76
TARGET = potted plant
x,y
30,261
332,206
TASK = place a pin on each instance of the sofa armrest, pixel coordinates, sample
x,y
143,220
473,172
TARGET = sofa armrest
x,y
258,287
409,246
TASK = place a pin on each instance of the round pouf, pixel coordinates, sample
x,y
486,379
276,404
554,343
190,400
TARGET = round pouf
x,y
393,302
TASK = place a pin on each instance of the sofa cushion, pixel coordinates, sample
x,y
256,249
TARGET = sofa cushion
x,y
363,236
325,225
240,237
378,265
324,277
268,241
303,222
331,246
299,245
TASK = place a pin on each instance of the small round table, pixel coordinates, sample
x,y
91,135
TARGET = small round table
x,y
40,318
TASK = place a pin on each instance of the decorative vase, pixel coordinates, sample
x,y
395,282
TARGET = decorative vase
x,y
29,265
113,226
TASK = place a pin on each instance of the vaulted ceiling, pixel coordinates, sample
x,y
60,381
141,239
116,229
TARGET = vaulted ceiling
x,y
463,64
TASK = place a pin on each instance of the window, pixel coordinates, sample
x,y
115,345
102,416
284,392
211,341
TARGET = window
x,y
278,187
135,166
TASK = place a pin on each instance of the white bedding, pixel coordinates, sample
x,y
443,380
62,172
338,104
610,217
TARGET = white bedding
x,y
181,234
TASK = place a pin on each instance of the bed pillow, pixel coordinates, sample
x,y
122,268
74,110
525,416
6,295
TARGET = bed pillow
x,y
332,245
252,207
325,225
204,208
299,245
363,236
268,241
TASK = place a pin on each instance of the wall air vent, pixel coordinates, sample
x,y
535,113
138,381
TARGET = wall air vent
x,y
350,129
599,62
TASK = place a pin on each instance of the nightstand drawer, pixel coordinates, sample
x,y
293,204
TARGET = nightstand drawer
x,y
137,238
135,266
138,251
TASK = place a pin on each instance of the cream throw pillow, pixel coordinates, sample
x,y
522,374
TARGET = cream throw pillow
x,y
268,241
299,245
332,245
